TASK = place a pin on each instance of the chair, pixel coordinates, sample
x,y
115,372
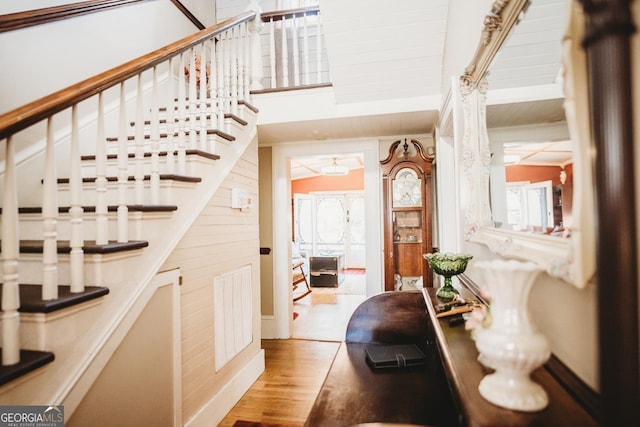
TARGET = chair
x,y
298,277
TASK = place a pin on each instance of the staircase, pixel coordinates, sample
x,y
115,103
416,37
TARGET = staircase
x,y
141,150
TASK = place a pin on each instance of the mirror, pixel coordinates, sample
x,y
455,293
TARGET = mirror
x,y
520,99
531,178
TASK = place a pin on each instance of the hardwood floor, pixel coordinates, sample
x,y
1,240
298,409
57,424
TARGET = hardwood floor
x,y
296,368
285,392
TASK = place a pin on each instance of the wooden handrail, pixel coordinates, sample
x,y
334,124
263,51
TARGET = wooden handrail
x,y
30,18
29,114
289,13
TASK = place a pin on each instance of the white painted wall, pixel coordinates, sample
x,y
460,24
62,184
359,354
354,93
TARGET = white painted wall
x,y
39,60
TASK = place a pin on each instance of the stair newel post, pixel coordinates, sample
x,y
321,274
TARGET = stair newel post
x,y
10,250
246,61
49,219
102,222
305,50
182,157
220,81
155,142
241,57
193,99
123,162
76,256
170,119
284,53
255,49
296,53
139,144
233,69
202,86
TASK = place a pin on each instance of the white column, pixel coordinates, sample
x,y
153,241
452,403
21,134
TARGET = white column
x,y
255,64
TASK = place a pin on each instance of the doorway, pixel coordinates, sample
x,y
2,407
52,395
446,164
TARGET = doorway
x,y
281,326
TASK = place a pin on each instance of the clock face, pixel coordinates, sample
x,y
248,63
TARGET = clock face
x,y
407,191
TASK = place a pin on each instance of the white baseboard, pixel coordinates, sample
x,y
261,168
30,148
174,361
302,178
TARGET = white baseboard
x,y
268,327
217,408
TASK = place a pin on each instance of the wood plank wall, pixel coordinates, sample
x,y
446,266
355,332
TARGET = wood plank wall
x,y
222,239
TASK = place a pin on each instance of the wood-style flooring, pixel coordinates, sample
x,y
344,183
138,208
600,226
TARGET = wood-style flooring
x,y
296,368
286,390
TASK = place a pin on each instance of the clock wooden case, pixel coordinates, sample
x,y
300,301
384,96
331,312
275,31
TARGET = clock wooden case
x,y
407,194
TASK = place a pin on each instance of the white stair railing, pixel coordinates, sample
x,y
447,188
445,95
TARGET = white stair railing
x,y
105,101
295,48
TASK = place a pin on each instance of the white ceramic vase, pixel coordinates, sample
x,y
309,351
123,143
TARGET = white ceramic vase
x,y
511,345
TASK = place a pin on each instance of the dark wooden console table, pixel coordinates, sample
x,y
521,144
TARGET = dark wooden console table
x,y
443,392
459,357
353,393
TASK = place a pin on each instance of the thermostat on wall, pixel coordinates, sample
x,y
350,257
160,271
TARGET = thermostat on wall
x,y
240,199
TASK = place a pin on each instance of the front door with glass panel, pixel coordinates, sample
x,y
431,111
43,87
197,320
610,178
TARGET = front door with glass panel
x,y
331,223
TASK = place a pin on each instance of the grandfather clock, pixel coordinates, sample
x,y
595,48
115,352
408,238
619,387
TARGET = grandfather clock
x,y
407,193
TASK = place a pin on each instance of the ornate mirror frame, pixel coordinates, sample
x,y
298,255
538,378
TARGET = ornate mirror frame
x,y
570,259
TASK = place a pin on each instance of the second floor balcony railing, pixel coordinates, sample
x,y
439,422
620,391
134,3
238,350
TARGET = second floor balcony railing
x,y
293,49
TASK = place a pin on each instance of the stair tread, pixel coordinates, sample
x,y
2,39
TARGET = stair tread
x,y
110,208
231,116
30,360
161,154
89,246
221,134
31,298
163,176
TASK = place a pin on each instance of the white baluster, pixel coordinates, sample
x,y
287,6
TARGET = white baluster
x,y
123,162
204,77
139,144
76,256
233,69
213,90
272,54
182,158
193,100
10,249
155,141
305,49
50,220
220,81
226,47
284,53
102,221
170,120
296,53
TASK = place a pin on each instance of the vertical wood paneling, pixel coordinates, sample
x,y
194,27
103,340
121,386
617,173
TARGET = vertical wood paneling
x,y
222,239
